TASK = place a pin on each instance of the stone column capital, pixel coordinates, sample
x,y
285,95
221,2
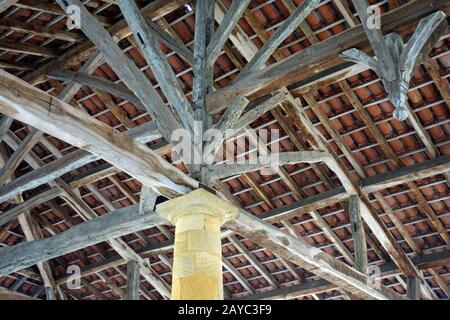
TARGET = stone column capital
x,y
197,202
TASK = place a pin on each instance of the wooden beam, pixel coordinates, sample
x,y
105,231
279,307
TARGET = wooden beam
x,y
227,25
284,31
359,236
158,63
308,257
440,281
127,71
98,83
31,106
133,280
38,30
5,123
18,47
37,200
5,4
376,38
173,43
221,171
324,55
110,226
8,169
413,288
69,162
72,58
32,232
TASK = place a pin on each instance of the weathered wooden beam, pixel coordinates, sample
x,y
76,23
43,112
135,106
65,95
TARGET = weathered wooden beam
x,y
406,57
173,43
440,281
110,226
226,123
324,55
359,236
7,171
154,10
284,31
5,123
98,83
221,171
258,108
18,47
158,63
308,257
227,25
32,232
376,38
148,200
133,279
48,172
127,71
31,106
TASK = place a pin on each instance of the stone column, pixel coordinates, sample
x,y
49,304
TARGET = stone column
x,y
197,263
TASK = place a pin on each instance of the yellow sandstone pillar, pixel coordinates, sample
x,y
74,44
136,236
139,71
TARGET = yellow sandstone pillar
x,y
197,263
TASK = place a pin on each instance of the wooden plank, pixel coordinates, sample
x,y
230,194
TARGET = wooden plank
x,y
133,279
31,106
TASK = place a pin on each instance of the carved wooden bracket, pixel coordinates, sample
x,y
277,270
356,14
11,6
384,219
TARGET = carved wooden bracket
x,y
406,57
